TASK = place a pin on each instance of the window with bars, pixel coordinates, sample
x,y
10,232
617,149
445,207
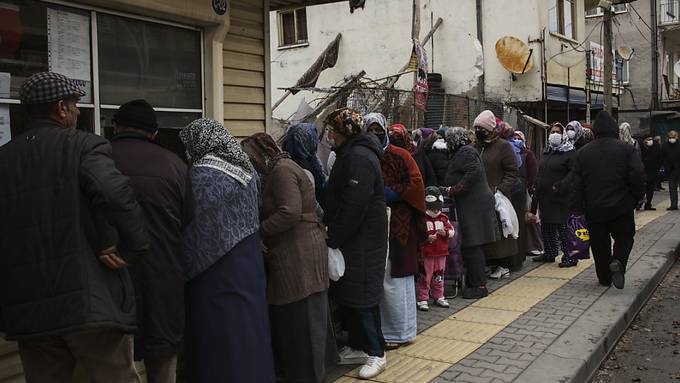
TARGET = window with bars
x,y
292,26
562,17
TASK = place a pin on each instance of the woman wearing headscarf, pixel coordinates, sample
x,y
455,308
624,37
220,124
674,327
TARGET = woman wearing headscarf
x,y
475,207
356,217
405,195
626,136
297,265
399,137
502,174
227,324
301,142
552,191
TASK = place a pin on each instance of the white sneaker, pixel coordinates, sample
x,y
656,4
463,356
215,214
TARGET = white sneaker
x,y
373,367
422,306
442,302
500,272
349,355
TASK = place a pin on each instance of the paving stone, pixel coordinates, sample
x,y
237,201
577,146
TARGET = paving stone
x,y
490,366
496,375
465,378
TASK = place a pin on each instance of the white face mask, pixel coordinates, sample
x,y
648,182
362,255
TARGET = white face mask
x,y
555,139
672,140
571,134
433,213
649,143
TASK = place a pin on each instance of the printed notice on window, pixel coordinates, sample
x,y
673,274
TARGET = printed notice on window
x,y
5,84
68,37
5,132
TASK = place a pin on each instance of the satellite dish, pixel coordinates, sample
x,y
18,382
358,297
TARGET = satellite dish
x,y
625,52
514,55
676,68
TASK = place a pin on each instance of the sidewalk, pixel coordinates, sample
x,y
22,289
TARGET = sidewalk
x,y
544,324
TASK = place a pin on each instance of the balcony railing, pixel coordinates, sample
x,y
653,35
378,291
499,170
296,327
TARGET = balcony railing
x,y
669,11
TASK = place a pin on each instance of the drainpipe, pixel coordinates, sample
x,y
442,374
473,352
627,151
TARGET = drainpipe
x,y
655,56
480,36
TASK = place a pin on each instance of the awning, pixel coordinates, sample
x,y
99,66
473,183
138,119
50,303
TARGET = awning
x,y
279,4
577,96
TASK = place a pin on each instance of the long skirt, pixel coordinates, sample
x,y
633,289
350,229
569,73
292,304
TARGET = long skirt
x,y
398,308
519,202
227,325
303,340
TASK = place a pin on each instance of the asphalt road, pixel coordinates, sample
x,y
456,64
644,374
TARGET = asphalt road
x,y
649,351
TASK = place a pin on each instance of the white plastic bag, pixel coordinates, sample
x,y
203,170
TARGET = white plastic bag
x,y
336,264
507,215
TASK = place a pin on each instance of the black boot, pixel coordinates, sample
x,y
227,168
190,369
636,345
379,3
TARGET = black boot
x,y
543,258
649,207
475,292
618,277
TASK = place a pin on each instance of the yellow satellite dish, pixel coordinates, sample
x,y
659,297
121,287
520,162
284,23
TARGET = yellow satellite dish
x,y
514,55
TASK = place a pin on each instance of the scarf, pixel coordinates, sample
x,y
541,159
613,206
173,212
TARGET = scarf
x,y
457,137
263,153
345,121
377,118
301,142
625,134
209,144
399,137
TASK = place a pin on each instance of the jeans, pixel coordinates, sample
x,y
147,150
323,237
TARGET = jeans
x,y
365,332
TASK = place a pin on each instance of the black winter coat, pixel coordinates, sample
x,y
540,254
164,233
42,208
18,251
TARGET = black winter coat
x,y
609,179
652,159
552,189
439,159
671,158
426,169
59,188
355,213
159,179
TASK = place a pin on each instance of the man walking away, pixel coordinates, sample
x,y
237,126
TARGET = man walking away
x,y
70,225
651,158
159,179
609,180
671,154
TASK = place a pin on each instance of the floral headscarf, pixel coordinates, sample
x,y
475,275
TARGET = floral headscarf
x,y
301,142
399,137
208,143
625,134
345,121
377,118
576,127
263,153
457,137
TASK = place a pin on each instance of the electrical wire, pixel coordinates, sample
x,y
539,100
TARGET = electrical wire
x,y
632,21
641,19
575,48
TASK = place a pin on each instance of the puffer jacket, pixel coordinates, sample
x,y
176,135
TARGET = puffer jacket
x,y
59,189
356,217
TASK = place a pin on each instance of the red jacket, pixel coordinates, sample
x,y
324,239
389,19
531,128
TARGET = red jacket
x,y
440,247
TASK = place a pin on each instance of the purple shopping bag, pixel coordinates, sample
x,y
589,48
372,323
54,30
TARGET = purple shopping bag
x,y
578,241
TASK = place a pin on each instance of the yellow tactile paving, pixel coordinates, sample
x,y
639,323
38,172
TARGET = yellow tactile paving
x,y
487,316
463,331
504,302
551,270
529,287
439,349
406,369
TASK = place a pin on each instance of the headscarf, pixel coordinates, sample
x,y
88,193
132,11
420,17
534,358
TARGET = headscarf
x,y
521,136
578,128
588,135
209,144
301,142
505,130
345,121
399,137
263,153
457,137
420,134
377,118
566,146
625,134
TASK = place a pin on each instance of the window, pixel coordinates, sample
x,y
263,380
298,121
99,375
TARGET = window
x,y
622,69
292,27
561,14
131,59
669,11
597,11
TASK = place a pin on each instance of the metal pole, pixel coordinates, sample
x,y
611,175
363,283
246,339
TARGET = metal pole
x,y
608,60
480,36
568,93
655,56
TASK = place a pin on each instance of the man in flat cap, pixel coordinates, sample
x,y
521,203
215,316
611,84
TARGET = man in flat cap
x,y
159,179
70,226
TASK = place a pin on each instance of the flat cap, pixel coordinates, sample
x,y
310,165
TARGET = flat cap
x,y
47,87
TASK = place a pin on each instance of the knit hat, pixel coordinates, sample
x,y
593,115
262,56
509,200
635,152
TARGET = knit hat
x,y
137,114
605,126
486,120
433,199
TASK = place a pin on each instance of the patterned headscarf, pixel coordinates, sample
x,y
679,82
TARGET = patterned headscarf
x,y
399,137
263,152
208,143
301,142
457,137
587,135
377,118
345,121
578,128
505,130
625,134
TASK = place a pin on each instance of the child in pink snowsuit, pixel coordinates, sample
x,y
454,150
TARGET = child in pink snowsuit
x,y
435,250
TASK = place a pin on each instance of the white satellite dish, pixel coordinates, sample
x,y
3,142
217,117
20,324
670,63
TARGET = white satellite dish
x,y
625,52
676,68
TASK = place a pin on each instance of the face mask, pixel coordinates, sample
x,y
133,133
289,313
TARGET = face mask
x,y
649,143
432,213
555,139
480,134
672,140
571,134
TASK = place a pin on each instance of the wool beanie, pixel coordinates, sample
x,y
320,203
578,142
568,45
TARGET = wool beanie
x,y
486,120
433,199
605,126
137,114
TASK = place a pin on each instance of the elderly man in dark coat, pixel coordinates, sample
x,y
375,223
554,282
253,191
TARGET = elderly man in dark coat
x,y
652,158
159,179
609,179
355,213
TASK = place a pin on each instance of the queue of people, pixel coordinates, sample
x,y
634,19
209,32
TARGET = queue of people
x,y
221,265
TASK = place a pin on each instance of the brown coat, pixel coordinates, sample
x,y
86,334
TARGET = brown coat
x,y
502,174
297,256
